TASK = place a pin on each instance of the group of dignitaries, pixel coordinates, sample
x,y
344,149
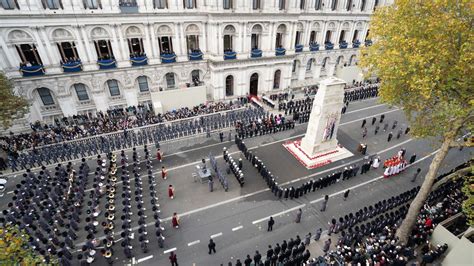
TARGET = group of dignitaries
x,y
107,143
361,91
60,208
262,125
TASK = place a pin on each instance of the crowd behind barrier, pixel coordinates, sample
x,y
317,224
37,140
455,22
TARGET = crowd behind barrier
x,y
92,124
91,146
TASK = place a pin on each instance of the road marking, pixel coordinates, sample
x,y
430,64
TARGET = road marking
x,y
279,214
372,180
237,228
10,192
144,259
216,235
194,243
169,250
366,108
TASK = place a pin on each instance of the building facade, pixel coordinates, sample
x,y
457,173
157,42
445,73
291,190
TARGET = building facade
x,y
74,56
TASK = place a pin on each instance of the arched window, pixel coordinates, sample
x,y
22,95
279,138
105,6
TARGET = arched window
x,y
317,4
352,60
45,95
170,81
362,5
143,84
81,92
342,36
281,31
229,85
227,4
328,36
309,64
113,87
276,79
356,35
229,32
28,54
312,37
334,5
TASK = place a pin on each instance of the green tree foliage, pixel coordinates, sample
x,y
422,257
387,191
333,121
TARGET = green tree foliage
x,y
12,106
14,248
423,54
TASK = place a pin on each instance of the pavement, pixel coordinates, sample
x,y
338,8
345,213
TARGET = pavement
x,y
237,219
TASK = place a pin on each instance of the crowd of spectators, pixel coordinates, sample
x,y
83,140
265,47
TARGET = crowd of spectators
x,y
380,246
84,125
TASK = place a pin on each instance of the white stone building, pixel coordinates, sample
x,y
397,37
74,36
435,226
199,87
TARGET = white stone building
x,y
74,56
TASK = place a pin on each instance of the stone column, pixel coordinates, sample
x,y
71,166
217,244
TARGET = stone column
x,y
316,71
302,71
118,44
40,48
330,69
147,42
12,56
154,44
117,51
203,38
182,55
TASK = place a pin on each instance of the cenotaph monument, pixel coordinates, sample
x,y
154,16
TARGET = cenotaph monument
x,y
319,146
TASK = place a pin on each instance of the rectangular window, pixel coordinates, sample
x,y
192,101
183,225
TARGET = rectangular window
x,y
192,42
302,4
81,92
254,40
170,84
334,5
45,96
113,88
279,40
298,38
317,4
256,4
227,4
143,84
161,4
166,45
282,4
8,4
189,4
227,43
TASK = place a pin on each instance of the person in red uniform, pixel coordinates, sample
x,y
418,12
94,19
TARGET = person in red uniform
x,y
164,173
173,259
171,191
175,220
159,155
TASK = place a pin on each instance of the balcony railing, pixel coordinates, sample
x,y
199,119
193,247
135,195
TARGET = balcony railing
x,y
299,48
31,71
230,55
368,42
256,53
72,66
139,60
314,47
168,58
280,51
195,55
106,63
343,45
329,46
356,44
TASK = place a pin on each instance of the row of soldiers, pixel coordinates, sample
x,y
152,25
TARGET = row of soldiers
x,y
362,92
235,168
107,143
293,106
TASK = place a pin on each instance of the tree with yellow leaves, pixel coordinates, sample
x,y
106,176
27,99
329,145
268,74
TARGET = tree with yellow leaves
x,y
423,54
12,106
15,250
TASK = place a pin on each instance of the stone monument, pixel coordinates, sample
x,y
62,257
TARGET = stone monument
x,y
319,146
